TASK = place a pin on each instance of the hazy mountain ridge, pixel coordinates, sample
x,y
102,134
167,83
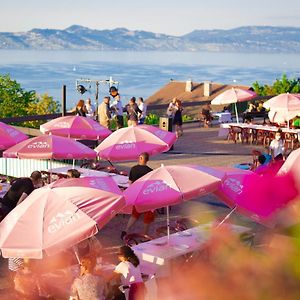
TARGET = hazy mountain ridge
x,y
242,39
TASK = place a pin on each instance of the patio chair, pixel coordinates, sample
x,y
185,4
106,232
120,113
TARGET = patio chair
x,y
132,239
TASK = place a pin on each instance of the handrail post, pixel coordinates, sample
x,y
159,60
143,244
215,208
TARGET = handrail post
x,y
64,101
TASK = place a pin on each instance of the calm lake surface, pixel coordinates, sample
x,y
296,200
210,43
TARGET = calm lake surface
x,y
139,73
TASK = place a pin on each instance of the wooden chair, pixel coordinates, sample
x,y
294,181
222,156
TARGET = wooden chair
x,y
234,133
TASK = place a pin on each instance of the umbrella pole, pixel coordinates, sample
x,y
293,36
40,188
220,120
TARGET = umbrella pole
x,y
236,113
73,164
76,254
168,224
226,217
50,179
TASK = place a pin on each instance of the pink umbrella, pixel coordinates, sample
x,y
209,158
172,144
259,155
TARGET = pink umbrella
x,y
166,136
10,136
58,216
292,165
128,143
283,107
50,147
257,197
284,103
233,95
168,185
76,127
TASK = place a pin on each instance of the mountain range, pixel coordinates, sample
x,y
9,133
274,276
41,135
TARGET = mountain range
x,y
242,39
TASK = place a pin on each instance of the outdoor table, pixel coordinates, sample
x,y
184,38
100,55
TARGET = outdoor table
x,y
225,128
156,255
121,180
224,117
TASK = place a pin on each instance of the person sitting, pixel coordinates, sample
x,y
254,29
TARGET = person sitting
x,y
247,117
88,247
19,190
260,108
206,115
225,109
73,173
87,286
130,272
277,146
262,167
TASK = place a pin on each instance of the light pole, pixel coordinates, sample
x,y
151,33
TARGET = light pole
x,y
81,89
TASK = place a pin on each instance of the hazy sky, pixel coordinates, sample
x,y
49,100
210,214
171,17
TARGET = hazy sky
x,y
175,17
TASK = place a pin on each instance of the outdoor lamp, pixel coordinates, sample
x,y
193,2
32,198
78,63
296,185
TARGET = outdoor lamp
x,y
81,89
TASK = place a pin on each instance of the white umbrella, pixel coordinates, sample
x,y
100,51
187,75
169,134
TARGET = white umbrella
x,y
233,95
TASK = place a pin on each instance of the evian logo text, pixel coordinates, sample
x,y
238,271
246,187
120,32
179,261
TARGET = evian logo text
x,y
39,145
61,220
234,184
157,186
125,146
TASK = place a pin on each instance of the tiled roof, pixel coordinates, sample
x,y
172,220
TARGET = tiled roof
x,y
177,89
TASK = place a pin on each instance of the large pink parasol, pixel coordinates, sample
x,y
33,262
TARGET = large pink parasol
x,y
169,185
233,95
76,127
128,143
10,136
257,197
58,216
284,103
50,147
166,136
283,107
292,164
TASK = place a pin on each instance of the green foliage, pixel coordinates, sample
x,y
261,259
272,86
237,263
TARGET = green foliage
x,y
42,105
186,118
283,85
152,119
16,102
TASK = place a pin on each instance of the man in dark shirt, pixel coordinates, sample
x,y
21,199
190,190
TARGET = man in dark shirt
x,y
19,190
137,172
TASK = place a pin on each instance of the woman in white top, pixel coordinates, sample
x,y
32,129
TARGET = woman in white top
x,y
90,109
277,146
130,273
143,107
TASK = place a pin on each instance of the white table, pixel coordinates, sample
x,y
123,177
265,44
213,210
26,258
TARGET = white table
x,y
224,117
158,253
120,180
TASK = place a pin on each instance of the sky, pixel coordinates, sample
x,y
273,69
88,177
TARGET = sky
x,y
175,17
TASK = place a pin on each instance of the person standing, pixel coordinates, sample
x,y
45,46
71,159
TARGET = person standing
x,y
90,109
87,286
104,112
132,112
171,108
177,120
117,108
137,172
79,109
143,107
19,190
130,272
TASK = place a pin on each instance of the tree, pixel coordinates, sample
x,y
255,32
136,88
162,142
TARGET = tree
x,y
280,86
16,102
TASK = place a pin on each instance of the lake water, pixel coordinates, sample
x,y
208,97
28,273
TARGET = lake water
x,y
139,73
